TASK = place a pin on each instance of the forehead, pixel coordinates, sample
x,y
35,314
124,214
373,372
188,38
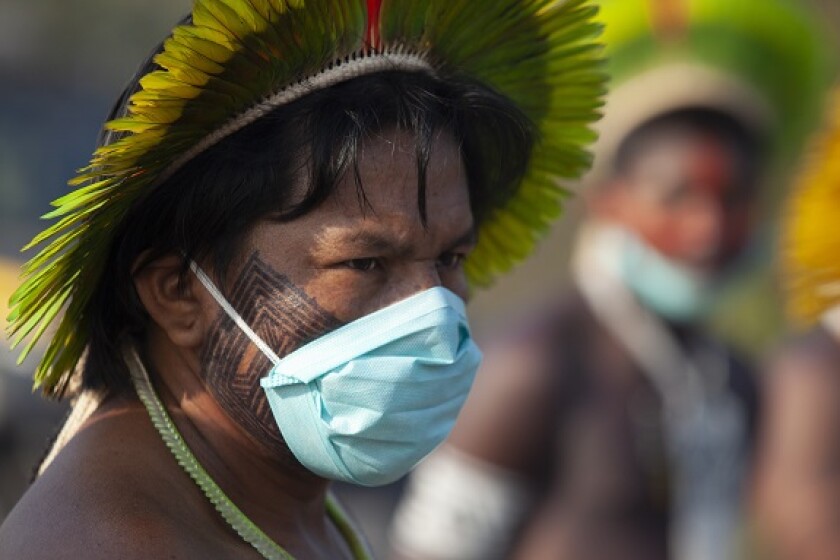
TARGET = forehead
x,y
389,173
385,186
687,159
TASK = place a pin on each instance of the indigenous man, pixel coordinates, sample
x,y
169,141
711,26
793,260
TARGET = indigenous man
x,y
799,476
611,425
266,261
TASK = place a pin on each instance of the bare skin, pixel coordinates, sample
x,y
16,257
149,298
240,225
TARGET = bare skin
x,y
798,490
287,317
116,492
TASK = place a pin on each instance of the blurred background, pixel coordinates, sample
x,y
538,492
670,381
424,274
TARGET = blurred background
x,y
62,64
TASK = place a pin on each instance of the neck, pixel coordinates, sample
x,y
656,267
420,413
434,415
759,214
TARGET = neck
x,y
279,496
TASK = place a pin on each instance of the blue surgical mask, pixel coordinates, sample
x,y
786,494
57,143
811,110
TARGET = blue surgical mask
x,y
366,402
667,288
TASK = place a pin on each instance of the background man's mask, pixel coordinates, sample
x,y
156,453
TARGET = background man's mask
x,y
673,291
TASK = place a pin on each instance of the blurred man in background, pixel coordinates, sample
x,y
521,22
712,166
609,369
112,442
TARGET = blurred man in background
x,y
611,424
799,472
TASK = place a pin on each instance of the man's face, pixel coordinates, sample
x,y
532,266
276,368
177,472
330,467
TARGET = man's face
x,y
298,280
688,196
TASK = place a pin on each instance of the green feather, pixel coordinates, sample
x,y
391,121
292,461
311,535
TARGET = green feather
x,y
773,45
541,54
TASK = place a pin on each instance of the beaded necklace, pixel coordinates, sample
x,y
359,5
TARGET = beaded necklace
x,y
240,523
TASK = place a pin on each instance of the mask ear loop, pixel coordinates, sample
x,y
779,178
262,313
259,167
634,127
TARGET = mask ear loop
x,y
231,312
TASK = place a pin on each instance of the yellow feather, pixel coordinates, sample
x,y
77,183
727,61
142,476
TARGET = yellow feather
x,y
811,242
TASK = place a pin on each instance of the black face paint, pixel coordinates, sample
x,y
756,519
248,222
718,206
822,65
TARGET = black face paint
x,y
286,318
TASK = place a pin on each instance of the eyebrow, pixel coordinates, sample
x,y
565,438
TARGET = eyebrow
x,y
383,243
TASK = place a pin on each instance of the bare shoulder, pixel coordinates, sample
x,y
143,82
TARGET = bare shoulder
x,y
807,366
801,401
798,482
109,494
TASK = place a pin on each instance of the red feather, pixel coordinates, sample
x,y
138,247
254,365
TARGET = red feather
x,y
372,33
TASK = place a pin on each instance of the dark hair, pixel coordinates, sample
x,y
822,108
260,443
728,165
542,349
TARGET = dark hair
x,y
205,209
696,120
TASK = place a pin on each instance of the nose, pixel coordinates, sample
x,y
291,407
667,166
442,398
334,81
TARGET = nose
x,y
704,228
410,279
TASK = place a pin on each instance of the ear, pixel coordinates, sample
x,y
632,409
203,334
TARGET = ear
x,y
179,309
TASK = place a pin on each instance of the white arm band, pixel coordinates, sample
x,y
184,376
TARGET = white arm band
x,y
459,507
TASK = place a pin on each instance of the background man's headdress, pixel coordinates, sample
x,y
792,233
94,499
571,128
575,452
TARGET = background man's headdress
x,y
239,59
761,62
810,248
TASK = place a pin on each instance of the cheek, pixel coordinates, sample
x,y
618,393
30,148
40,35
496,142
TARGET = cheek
x,y
344,294
285,318
232,368
667,239
661,230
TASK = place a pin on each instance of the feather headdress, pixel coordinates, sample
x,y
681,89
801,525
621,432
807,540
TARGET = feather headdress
x,y
239,59
810,247
762,62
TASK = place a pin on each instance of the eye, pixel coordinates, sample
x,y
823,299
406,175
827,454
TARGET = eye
x,y
451,259
676,195
362,265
